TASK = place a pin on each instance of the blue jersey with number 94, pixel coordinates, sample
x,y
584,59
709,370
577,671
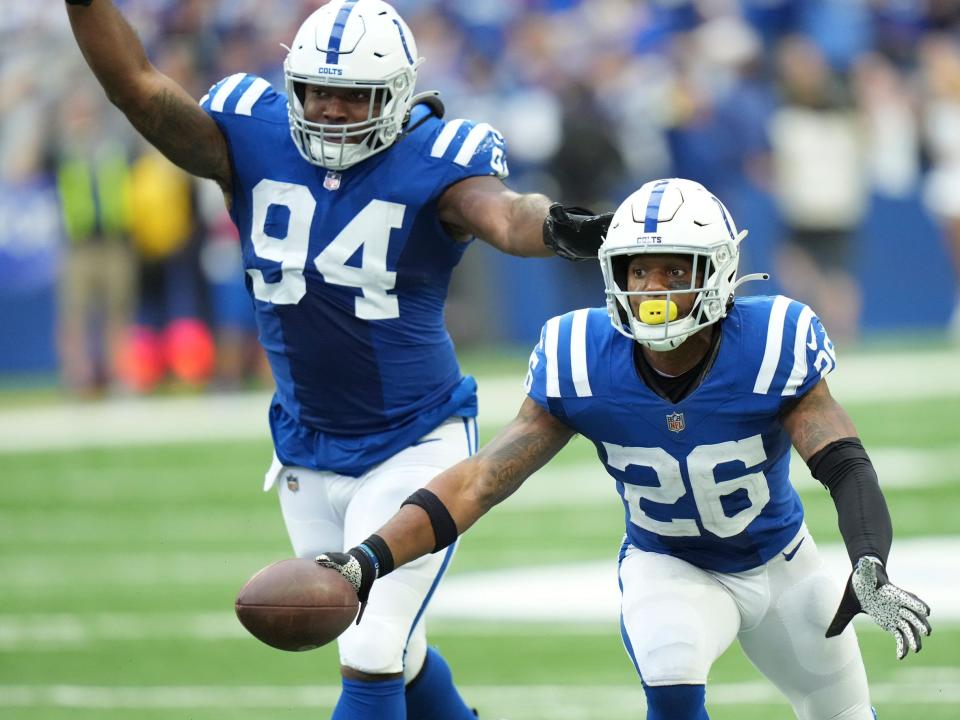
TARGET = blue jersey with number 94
x,y
705,479
349,274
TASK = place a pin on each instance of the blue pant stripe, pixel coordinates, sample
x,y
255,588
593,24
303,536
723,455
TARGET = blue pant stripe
x,y
448,555
623,628
471,443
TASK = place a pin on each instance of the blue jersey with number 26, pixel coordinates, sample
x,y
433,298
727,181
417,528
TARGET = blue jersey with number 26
x,y
349,274
705,479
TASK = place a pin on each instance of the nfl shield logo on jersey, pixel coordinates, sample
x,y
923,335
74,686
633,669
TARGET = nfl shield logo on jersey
x,y
332,180
675,422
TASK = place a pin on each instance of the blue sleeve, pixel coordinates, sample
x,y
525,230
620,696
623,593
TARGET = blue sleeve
x,y
797,352
466,149
821,358
535,384
238,96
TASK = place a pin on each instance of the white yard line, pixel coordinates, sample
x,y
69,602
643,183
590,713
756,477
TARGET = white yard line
x,y
155,420
930,567
528,597
558,702
60,632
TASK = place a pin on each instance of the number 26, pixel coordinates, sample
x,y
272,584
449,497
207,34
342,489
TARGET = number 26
x,y
707,492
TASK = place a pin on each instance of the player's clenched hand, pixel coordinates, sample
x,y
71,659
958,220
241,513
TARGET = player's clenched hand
x,y
356,566
361,565
898,612
575,233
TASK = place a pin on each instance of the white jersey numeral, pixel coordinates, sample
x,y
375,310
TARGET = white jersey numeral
x,y
707,492
290,251
369,231
670,489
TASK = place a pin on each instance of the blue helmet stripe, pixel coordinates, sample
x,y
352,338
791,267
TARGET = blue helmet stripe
x,y
726,220
653,207
403,39
336,35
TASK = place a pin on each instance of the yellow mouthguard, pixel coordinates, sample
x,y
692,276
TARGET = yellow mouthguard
x,y
654,312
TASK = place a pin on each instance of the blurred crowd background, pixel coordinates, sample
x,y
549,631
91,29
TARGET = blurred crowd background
x,y
830,128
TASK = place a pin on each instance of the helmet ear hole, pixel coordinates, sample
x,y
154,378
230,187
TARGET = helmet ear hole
x,y
300,89
620,265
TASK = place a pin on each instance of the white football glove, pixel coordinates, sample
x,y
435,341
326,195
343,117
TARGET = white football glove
x,y
349,566
897,611
356,568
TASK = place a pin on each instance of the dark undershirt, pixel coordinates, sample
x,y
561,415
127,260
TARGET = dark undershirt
x,y
677,388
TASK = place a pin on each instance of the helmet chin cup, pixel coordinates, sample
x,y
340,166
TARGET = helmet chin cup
x,y
662,335
337,155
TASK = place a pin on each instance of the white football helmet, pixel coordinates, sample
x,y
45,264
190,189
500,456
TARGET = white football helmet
x,y
361,44
675,217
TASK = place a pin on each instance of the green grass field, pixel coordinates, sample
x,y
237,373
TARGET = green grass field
x,y
118,569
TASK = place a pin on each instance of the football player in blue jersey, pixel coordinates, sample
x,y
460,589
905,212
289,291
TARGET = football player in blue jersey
x,y
693,401
354,199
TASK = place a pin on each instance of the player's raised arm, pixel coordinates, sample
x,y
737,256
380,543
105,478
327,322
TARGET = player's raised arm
x,y
825,437
433,517
158,107
528,225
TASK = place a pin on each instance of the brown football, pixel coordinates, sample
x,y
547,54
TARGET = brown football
x,y
295,604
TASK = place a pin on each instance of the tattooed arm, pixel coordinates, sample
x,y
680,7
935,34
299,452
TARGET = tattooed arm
x,y
816,421
470,488
826,439
158,107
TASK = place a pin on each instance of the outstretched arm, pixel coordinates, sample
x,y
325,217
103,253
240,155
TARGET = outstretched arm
x,y
824,435
460,496
484,207
472,487
826,439
158,107
529,225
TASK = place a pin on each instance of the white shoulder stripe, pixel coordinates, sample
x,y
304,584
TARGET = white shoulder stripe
x,y
799,371
470,145
771,354
250,96
446,137
204,99
550,342
223,94
578,354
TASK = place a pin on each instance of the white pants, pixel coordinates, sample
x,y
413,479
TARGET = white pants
x,y
678,619
325,511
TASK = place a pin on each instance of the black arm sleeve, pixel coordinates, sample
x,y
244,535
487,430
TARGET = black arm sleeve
x,y
846,471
